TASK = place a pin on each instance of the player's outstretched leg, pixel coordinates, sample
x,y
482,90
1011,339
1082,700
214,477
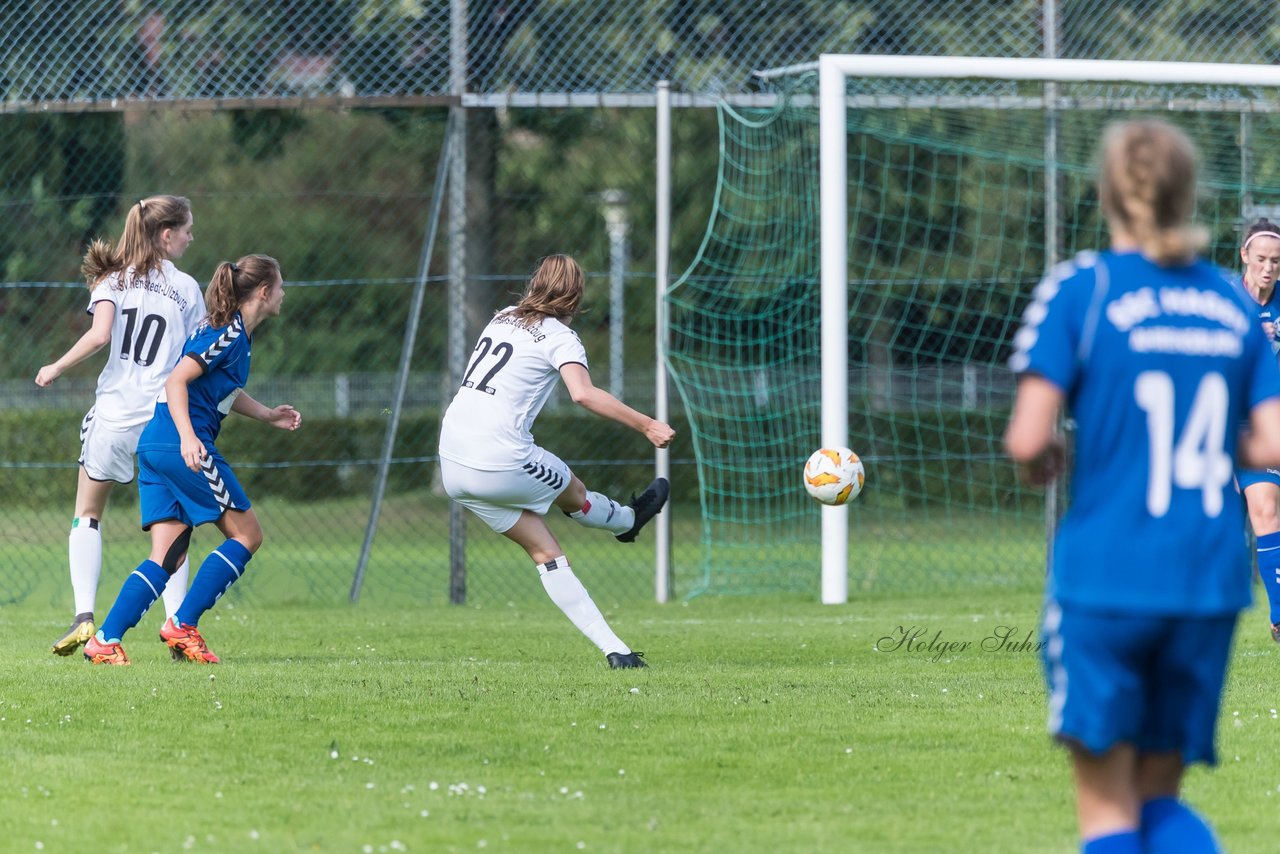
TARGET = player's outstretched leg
x,y
646,505
602,512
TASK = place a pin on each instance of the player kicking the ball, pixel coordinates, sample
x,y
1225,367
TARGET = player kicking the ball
x,y
489,463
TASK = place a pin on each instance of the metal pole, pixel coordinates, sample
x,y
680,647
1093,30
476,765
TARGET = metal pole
x,y
1246,168
834,236
662,278
614,208
1051,248
457,341
406,358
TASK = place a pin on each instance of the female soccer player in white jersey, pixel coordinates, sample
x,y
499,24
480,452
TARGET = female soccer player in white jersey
x,y
183,480
1260,253
145,308
489,463
1159,360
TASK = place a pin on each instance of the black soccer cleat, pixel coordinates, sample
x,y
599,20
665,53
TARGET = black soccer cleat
x,y
646,505
621,660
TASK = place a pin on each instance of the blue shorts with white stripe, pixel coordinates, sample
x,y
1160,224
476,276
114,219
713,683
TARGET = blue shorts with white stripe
x,y
167,489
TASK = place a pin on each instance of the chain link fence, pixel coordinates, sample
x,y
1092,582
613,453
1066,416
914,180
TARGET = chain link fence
x,y
342,198
312,131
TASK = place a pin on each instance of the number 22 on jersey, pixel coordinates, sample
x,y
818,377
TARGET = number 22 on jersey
x,y
502,354
1198,460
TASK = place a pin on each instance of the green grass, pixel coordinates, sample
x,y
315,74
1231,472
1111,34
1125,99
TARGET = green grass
x,y
764,724
312,548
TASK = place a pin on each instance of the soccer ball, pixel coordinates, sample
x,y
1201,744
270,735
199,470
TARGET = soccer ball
x,y
834,475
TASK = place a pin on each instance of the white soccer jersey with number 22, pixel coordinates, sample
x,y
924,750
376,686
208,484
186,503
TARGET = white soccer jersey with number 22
x,y
509,377
152,322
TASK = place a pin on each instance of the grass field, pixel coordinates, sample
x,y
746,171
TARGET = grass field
x,y
763,724
312,548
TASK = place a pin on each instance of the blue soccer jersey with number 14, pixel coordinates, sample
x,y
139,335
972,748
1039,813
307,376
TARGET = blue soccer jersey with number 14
x,y
1160,366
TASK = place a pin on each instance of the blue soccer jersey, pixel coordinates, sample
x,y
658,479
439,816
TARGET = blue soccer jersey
x,y
1159,366
223,352
1268,312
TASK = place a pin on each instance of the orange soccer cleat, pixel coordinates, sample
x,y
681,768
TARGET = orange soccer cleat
x,y
185,643
98,652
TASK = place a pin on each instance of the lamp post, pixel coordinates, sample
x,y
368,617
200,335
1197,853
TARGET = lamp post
x,y
613,205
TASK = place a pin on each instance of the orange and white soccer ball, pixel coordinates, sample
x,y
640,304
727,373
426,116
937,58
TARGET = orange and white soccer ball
x,y
834,475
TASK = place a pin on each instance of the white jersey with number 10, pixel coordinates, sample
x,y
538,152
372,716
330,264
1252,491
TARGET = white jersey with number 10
x,y
153,320
509,376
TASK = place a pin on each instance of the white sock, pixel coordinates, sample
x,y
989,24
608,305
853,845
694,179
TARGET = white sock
x,y
570,596
84,552
176,590
601,511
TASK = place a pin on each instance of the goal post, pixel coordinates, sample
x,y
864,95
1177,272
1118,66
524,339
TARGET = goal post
x,y
834,73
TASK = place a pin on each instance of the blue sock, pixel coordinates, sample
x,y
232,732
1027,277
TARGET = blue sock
x,y
222,568
141,588
1124,842
1169,825
1268,568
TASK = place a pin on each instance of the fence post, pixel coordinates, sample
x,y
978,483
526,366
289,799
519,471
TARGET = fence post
x,y
406,357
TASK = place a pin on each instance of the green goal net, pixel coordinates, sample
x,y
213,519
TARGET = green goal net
x,y
955,211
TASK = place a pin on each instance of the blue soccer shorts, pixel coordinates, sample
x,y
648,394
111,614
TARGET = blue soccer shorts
x,y
167,489
1248,477
1151,681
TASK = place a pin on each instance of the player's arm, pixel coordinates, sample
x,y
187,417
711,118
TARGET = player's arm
x,y
1031,439
1260,444
184,373
283,416
98,336
600,402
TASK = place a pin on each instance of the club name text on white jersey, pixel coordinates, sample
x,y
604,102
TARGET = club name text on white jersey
x,y
509,376
154,317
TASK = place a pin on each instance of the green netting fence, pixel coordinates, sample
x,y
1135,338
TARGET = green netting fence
x,y
948,232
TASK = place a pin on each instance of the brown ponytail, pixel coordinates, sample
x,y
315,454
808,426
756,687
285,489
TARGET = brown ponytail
x,y
233,283
555,290
1147,186
139,246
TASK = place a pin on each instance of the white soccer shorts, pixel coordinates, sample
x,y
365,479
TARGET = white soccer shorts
x,y
497,497
106,451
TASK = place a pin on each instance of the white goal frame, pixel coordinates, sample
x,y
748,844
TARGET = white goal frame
x,y
833,71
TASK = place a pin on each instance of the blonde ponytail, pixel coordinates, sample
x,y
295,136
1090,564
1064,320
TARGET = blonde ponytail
x,y
1147,187
140,244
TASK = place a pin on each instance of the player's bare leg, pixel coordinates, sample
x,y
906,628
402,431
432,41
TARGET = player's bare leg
x,y
1107,802
531,532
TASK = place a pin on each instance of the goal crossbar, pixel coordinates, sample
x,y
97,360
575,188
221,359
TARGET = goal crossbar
x,y
833,72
